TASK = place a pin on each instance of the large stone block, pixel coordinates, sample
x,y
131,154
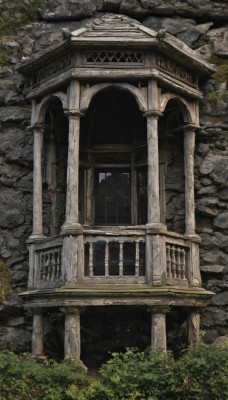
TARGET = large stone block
x,y
214,316
12,209
221,221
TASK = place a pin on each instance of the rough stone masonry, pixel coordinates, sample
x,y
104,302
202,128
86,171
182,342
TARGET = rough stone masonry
x,y
202,25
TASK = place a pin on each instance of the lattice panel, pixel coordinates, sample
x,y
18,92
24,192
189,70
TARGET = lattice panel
x,y
54,68
114,57
172,67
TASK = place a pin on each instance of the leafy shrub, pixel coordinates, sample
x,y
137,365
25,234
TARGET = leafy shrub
x,y
134,372
200,374
23,378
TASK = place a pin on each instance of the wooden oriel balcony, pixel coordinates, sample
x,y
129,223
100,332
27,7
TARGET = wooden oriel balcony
x,y
124,257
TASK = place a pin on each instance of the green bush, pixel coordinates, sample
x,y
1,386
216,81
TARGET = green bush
x,y
23,378
200,374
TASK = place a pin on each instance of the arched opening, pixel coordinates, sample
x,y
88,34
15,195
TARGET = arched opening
x,y
172,174
54,168
113,161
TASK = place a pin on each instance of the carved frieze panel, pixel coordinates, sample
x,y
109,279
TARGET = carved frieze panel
x,y
179,71
114,57
53,69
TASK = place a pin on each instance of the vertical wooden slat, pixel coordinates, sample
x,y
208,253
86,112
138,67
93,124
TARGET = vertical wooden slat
x,y
183,262
91,245
178,251
107,259
121,258
137,258
168,261
173,262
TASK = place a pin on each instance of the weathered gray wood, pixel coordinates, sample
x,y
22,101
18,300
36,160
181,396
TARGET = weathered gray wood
x,y
155,260
158,328
38,333
72,222
153,156
114,75
194,276
193,326
37,182
189,147
31,266
72,336
70,260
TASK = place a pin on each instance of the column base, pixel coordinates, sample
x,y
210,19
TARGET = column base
x,y
193,236
35,236
156,226
71,228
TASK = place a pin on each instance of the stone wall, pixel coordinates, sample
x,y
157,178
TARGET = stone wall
x,y
198,23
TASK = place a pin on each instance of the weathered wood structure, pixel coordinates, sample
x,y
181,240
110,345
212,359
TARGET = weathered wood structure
x,y
111,106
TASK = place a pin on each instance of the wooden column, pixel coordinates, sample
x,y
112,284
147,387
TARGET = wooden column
x,y
158,327
193,326
38,333
37,182
152,115
71,224
189,148
72,338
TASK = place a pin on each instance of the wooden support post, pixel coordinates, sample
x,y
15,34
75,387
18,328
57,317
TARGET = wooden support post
x,y
38,333
37,182
72,337
193,326
72,224
158,327
152,115
189,148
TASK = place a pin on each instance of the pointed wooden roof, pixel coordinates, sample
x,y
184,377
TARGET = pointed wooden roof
x,y
112,31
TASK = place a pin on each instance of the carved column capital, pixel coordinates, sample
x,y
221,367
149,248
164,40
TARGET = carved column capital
x,y
152,113
75,113
36,128
190,128
159,309
72,309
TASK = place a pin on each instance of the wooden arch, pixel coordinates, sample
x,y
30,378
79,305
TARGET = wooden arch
x,y
41,108
89,93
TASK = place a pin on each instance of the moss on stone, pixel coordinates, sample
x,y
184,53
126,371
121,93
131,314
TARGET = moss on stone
x,y
4,58
5,279
20,14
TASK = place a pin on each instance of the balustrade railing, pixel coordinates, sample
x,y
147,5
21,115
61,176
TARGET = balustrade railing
x,y
50,264
46,263
176,263
112,257
108,257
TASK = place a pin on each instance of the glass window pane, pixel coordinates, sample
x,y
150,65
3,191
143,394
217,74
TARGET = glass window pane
x,y
112,197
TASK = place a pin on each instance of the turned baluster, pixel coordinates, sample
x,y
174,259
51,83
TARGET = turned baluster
x,y
137,258
173,262
91,258
49,266
53,266
168,261
58,264
46,265
121,258
42,266
178,263
106,259
182,263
